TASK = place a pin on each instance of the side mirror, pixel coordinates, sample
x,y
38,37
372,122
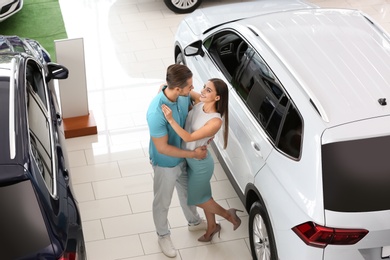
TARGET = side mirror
x,y
56,71
194,49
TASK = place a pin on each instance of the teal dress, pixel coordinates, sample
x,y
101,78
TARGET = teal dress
x,y
199,171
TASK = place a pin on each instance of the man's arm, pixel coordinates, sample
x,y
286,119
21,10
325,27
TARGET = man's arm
x,y
163,147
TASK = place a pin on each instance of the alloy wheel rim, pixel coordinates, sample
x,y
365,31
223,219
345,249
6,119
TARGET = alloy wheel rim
x,y
260,239
184,4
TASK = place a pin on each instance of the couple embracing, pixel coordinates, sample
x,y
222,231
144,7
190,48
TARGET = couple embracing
x,y
181,123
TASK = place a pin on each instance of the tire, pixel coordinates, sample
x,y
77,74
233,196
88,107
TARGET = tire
x,y
182,6
261,236
180,59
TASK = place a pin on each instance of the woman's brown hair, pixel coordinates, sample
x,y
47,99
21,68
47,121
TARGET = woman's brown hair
x,y
222,105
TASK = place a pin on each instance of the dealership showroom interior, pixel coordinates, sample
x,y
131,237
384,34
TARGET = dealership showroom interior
x,y
124,48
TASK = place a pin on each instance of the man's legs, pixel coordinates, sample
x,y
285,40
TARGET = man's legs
x,y
190,212
163,185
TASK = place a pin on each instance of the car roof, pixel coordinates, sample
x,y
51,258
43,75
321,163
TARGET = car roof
x,y
203,19
340,58
14,51
10,113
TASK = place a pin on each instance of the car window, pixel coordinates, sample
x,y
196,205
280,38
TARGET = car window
x,y
35,78
259,89
223,48
291,136
40,137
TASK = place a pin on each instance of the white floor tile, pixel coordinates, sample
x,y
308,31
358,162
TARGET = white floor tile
x,y
123,186
141,202
95,172
115,248
135,166
93,230
128,225
77,158
222,190
105,208
86,142
84,192
159,256
110,154
231,250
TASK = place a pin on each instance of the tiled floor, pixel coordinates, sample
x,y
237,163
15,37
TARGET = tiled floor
x,y
128,45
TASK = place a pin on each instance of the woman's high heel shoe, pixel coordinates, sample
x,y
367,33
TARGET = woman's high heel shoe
x,y
208,239
233,213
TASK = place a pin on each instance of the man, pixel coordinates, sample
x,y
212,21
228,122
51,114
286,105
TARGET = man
x,y
167,157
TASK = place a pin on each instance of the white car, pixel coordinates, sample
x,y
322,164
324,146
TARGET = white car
x,y
9,7
309,135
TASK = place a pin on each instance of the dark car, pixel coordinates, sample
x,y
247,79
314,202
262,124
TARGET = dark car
x,y
39,214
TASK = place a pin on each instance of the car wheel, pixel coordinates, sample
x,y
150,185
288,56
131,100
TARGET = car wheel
x,y
180,59
182,6
261,236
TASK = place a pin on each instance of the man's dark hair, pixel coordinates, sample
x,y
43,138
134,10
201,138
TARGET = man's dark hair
x,y
177,76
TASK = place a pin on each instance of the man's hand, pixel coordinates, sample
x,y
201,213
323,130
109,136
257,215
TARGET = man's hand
x,y
200,152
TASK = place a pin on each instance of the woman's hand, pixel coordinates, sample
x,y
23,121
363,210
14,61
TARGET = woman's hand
x,y
167,113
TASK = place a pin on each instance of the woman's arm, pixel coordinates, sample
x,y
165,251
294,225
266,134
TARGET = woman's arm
x,y
195,97
209,129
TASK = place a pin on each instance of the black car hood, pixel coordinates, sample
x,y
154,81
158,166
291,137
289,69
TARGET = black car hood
x,y
11,174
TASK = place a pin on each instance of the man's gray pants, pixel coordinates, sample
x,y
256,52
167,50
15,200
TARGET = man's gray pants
x,y
165,180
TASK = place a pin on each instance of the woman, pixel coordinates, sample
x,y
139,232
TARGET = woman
x,y
203,122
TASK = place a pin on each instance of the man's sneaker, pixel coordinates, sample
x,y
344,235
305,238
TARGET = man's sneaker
x,y
201,226
166,246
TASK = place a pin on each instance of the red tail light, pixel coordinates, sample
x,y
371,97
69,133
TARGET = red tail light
x,y
319,236
68,256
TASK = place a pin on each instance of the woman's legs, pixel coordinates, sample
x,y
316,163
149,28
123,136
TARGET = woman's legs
x,y
199,189
212,208
211,223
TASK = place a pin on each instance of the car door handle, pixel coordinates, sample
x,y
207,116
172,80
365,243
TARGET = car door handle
x,y
256,146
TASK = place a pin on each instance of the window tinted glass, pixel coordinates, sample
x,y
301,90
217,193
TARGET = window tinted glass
x,y
259,89
35,78
291,135
223,48
40,137
356,175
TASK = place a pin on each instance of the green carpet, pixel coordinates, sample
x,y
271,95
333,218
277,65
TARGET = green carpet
x,y
40,20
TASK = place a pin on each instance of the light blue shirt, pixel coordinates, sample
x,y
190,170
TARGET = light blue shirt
x,y
159,126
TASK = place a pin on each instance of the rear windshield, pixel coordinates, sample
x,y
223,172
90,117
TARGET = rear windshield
x,y
23,230
356,175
